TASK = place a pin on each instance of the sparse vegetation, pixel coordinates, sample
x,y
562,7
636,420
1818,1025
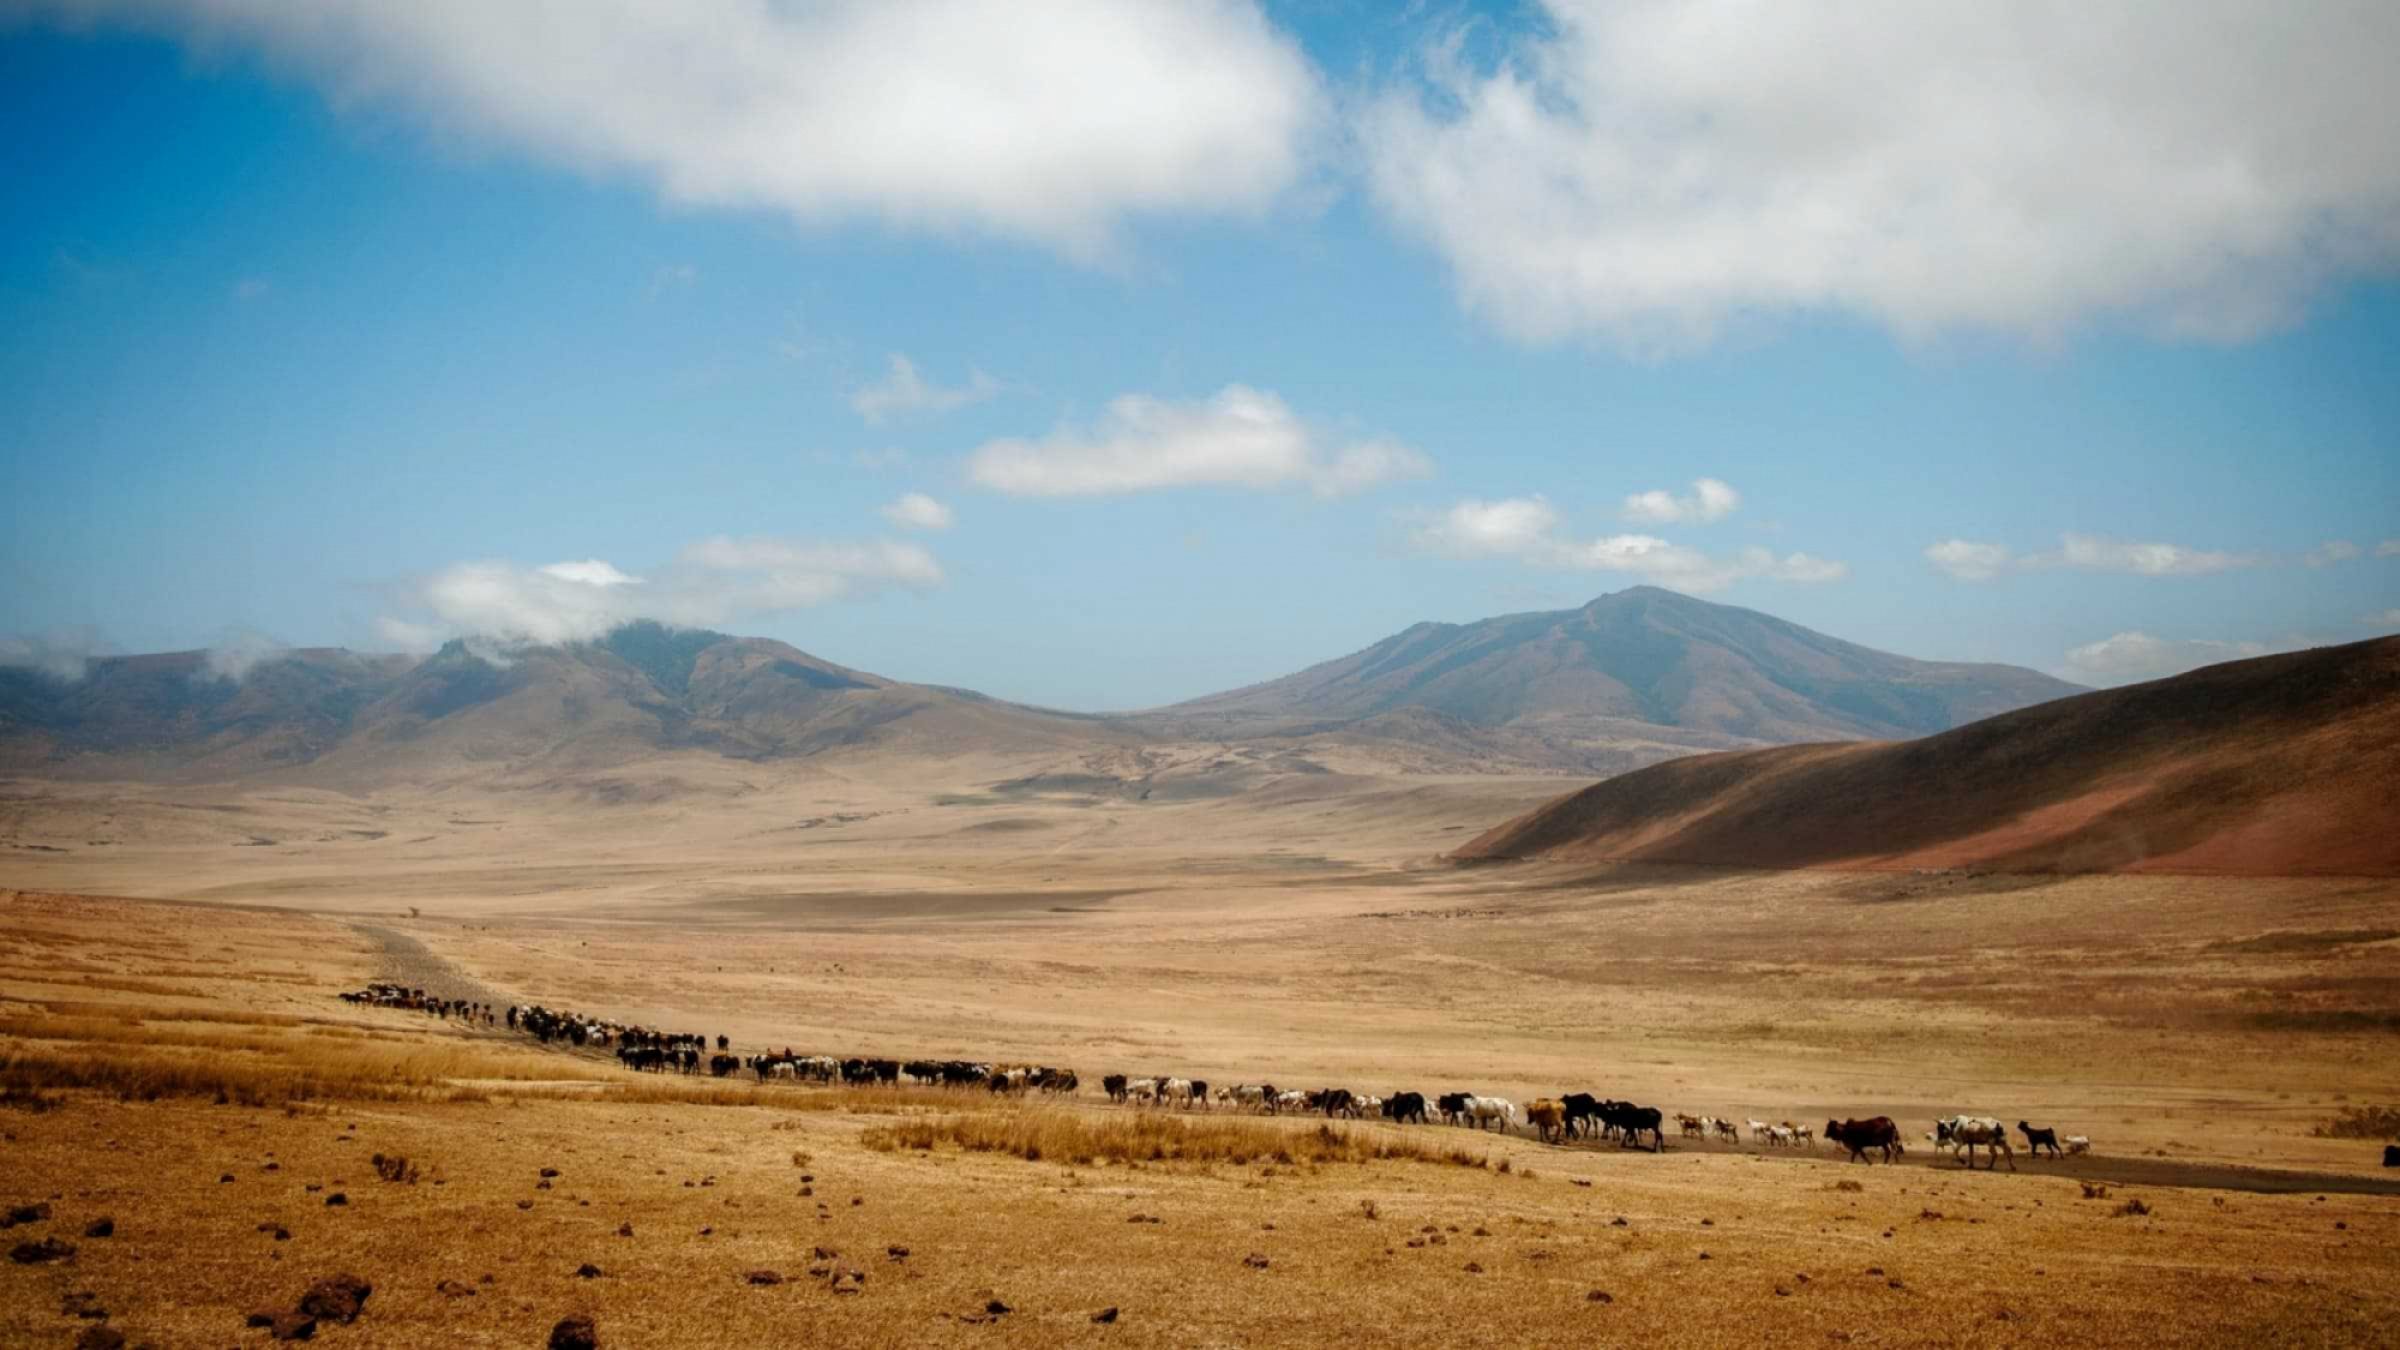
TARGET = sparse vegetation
x,y
1036,1133
2361,1122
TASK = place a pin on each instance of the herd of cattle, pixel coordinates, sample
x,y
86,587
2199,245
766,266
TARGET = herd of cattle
x,y
1554,1119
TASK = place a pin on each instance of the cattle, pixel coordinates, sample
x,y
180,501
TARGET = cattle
x,y
2037,1140
1970,1131
1583,1113
1729,1131
1783,1136
1804,1135
721,1065
1403,1107
2077,1143
1172,1091
1250,1096
1858,1136
1338,1102
1057,1080
1200,1093
1757,1128
1290,1100
1114,1085
1498,1112
1453,1106
1548,1118
1632,1122
2391,1154
1693,1127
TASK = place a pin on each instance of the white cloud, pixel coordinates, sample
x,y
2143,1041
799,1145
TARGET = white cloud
x,y
1050,123
2332,551
1968,560
1653,170
905,391
2389,548
1242,437
2129,657
713,582
916,511
2390,618
1526,529
240,651
1712,499
65,654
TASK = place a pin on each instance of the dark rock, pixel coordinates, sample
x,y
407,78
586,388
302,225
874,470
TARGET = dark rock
x,y
453,1289
292,1326
624,1230
587,1271
100,1228
337,1198
1598,1296
1255,1260
336,1298
896,1252
33,1213
574,1333
1105,1316
848,1279
549,1172
37,1253
261,1319
764,1277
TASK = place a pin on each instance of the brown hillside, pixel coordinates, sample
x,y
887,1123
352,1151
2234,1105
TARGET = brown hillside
x,y
2284,765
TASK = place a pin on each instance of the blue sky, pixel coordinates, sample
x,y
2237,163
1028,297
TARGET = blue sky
x,y
326,333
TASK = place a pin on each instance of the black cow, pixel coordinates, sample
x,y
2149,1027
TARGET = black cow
x,y
1860,1135
1114,1085
1632,1122
1403,1107
721,1065
2037,1140
1583,1109
1453,1106
1339,1102
2391,1155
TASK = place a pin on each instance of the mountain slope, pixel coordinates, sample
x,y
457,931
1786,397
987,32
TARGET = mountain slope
x,y
2283,765
1642,657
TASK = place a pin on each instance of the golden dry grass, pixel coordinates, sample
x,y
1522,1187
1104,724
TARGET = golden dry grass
x,y
1080,1138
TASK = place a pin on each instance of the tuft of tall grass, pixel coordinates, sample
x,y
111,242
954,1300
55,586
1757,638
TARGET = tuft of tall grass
x,y
1039,1133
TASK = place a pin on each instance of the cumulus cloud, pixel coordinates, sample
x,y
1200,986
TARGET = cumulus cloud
x,y
1651,170
1968,560
903,391
2332,551
1527,530
1242,437
916,511
1712,499
713,582
62,654
1049,123
2129,657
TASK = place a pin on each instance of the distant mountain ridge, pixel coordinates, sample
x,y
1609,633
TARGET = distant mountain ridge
x,y
1628,680
1643,656
2281,765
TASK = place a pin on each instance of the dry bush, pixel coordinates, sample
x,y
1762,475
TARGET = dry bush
x,y
395,1168
2131,1208
2361,1122
1036,1133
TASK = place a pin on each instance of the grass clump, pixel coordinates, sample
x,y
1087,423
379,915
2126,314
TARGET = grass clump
x,y
1082,1139
2361,1122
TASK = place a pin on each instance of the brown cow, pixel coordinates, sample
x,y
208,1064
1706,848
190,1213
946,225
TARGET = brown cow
x,y
1860,1135
1549,1119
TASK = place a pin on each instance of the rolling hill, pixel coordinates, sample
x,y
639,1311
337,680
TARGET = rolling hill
x,y
2282,765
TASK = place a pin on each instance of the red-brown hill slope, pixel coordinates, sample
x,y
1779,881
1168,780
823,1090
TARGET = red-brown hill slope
x,y
2284,765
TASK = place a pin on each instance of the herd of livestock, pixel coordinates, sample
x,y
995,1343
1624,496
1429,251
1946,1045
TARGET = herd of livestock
x,y
1554,1119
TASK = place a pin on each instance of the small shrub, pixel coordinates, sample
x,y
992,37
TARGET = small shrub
x,y
2361,1122
2131,1208
395,1168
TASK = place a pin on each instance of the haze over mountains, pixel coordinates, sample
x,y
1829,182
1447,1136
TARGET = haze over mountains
x,y
2281,765
1632,678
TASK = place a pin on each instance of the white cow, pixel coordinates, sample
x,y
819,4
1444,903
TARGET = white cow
x,y
1757,1128
1499,1112
1969,1131
1781,1136
2077,1143
1804,1135
1175,1091
1291,1100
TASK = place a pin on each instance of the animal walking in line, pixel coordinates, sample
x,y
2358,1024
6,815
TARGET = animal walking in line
x,y
1970,1131
2037,1140
1858,1136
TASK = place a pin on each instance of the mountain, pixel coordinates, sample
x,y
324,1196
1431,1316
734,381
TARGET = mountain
x,y
1645,664
341,718
2283,765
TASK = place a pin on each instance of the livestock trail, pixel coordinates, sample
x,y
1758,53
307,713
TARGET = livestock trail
x,y
405,961
409,962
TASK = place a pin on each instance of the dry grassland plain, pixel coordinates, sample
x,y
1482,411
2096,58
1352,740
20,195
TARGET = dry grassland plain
x,y
2197,1029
